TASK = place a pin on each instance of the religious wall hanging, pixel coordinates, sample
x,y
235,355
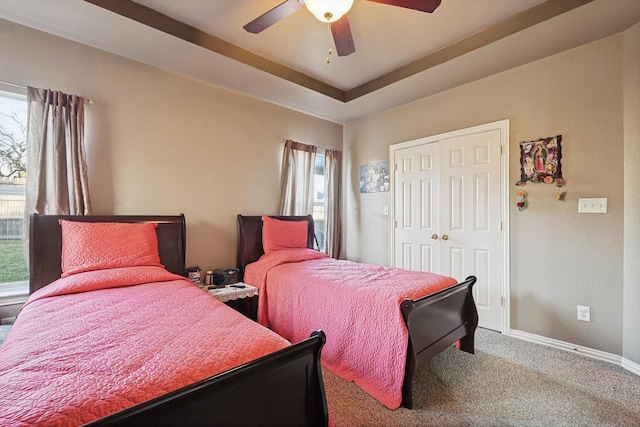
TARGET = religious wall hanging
x,y
540,161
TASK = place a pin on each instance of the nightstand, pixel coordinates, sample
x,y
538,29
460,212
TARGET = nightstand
x,y
245,300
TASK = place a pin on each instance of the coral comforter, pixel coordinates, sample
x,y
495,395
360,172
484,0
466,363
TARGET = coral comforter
x,y
97,342
357,305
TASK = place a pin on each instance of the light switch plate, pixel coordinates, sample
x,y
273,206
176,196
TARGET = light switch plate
x,y
592,205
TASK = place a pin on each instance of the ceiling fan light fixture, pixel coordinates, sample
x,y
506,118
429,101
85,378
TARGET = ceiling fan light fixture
x,y
328,10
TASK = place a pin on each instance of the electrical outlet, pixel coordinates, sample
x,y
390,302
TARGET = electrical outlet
x,y
584,313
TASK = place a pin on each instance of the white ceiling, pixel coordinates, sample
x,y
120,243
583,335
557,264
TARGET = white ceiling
x,y
386,39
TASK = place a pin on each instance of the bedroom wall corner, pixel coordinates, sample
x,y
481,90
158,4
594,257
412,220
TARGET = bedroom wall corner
x,y
366,227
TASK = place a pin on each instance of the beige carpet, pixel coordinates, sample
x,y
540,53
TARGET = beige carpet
x,y
508,382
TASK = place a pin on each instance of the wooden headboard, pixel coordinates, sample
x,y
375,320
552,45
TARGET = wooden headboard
x,y
250,237
45,243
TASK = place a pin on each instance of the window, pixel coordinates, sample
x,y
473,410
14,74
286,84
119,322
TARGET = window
x,y
319,208
13,144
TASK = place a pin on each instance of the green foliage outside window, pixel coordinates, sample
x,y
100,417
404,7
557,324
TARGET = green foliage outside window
x,y
13,267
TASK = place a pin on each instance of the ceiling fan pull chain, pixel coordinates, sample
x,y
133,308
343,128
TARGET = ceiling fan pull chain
x,y
329,42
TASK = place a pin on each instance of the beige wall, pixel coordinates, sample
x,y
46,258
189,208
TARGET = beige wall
x,y
631,294
559,258
160,143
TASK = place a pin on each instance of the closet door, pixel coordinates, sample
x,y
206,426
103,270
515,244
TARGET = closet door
x,y
417,210
447,214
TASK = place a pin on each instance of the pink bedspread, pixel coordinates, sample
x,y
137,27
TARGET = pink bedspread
x,y
98,342
357,305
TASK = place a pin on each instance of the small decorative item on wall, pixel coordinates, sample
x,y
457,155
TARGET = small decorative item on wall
x,y
540,161
374,177
522,200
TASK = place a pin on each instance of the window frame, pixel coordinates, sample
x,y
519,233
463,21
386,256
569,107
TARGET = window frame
x,y
321,203
13,292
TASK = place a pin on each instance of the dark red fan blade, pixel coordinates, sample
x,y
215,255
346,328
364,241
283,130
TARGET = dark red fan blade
x,y
421,5
342,37
269,18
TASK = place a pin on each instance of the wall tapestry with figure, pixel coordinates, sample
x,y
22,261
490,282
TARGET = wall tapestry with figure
x,y
374,177
540,161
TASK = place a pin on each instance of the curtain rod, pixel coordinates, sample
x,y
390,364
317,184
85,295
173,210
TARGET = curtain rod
x,y
87,100
320,149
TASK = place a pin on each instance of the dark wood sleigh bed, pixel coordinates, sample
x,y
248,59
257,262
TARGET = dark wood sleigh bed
x,y
434,322
241,396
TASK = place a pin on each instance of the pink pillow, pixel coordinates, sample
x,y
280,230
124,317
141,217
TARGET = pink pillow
x,y
279,234
90,246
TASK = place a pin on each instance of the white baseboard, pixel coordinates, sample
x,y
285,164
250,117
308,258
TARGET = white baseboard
x,y
631,366
627,364
573,348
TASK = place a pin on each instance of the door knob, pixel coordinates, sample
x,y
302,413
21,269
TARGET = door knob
x,y
445,237
434,236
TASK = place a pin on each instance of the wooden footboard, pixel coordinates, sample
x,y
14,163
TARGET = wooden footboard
x,y
436,322
282,389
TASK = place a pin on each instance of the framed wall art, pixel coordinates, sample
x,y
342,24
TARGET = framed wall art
x,y
540,161
374,177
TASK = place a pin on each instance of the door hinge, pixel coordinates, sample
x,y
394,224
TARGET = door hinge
x,y
395,167
502,301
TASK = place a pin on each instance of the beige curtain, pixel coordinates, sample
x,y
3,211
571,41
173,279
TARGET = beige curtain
x,y
296,181
56,168
333,201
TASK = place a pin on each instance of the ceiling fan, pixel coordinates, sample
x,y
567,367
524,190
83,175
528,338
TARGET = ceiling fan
x,y
333,12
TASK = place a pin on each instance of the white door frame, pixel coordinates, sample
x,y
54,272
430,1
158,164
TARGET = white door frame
x,y
503,126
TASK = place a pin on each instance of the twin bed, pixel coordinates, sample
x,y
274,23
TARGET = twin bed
x,y
119,340
113,334
381,323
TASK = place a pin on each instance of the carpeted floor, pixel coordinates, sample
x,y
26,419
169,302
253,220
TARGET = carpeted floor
x,y
508,382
